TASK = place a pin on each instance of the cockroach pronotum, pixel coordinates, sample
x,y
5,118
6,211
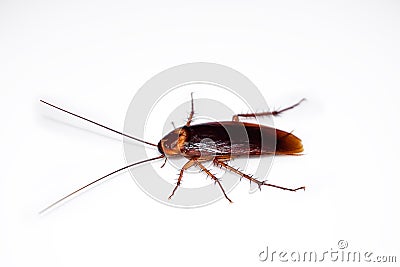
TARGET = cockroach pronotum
x,y
231,139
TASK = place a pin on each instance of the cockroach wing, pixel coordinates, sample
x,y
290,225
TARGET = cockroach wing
x,y
233,139
287,143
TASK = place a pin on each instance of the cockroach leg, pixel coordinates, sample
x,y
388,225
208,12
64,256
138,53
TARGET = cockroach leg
x,y
165,161
230,168
267,113
191,112
283,188
187,165
214,178
251,179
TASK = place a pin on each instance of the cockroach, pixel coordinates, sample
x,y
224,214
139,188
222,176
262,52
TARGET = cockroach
x,y
231,139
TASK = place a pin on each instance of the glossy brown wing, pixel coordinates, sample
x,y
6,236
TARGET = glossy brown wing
x,y
287,143
233,139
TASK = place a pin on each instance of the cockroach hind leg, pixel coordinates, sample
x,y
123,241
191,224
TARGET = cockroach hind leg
x,y
237,171
279,111
281,187
251,179
267,113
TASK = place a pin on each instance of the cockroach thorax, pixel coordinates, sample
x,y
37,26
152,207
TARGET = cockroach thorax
x,y
173,143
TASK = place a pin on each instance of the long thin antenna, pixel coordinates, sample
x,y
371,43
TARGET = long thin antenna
x,y
98,124
97,180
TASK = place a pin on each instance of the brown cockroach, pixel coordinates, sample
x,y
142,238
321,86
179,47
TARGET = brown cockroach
x,y
230,139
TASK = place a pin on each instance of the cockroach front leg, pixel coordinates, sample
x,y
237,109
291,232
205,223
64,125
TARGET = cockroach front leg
x,y
267,113
187,165
251,179
191,112
214,178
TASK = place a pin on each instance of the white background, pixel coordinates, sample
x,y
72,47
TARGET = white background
x,y
92,56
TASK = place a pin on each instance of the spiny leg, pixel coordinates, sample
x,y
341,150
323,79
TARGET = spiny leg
x,y
191,112
251,179
185,167
267,113
214,178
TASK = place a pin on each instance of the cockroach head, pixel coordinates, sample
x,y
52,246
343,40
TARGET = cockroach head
x,y
173,142
160,149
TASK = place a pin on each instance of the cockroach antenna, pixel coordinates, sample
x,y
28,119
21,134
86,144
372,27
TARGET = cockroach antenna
x,y
97,180
111,173
98,124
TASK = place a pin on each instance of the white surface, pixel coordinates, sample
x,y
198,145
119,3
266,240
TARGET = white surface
x,y
91,56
